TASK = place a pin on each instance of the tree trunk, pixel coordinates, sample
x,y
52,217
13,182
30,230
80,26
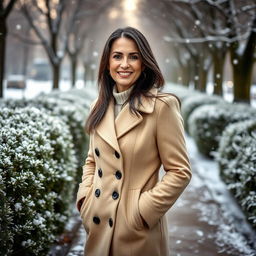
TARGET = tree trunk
x,y
242,77
25,56
195,76
243,67
73,69
3,33
185,75
218,68
202,79
87,73
56,75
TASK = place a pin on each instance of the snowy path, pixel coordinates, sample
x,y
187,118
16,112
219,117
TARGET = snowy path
x,y
205,221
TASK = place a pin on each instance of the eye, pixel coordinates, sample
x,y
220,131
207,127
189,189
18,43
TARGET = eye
x,y
117,56
134,57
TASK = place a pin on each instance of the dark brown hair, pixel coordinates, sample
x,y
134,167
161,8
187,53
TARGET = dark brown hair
x,y
149,78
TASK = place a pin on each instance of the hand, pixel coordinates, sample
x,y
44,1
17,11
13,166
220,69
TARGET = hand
x,y
80,202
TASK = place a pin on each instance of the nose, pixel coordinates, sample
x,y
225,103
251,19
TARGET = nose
x,y
124,63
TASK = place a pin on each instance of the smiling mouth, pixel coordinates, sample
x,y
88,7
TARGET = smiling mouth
x,y
124,74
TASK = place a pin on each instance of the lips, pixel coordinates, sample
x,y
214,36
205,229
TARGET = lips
x,y
124,74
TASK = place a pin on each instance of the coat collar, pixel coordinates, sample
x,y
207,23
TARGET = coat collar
x,y
111,129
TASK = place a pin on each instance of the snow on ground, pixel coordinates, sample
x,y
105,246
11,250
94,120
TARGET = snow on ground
x,y
34,88
217,207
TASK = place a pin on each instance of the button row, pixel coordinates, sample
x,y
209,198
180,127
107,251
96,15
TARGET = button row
x,y
97,152
96,220
118,174
115,194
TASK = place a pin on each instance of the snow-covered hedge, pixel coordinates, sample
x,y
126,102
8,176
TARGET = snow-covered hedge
x,y
237,160
36,179
191,103
71,112
180,90
206,123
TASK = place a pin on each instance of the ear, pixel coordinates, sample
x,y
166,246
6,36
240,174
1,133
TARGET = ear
x,y
143,67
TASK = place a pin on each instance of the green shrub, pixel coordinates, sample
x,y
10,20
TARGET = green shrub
x,y
237,160
6,220
37,179
206,123
191,103
73,114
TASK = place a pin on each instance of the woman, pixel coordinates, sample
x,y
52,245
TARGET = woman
x,y
133,130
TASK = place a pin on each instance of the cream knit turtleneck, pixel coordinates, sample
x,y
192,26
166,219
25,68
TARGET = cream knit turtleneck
x,y
120,98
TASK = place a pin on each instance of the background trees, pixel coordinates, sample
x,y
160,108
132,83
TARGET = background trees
x,y
5,9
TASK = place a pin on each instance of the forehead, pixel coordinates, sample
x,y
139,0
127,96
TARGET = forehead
x,y
124,45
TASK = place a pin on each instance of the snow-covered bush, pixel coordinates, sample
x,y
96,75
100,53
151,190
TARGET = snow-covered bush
x,y
73,114
181,91
6,219
237,160
206,123
191,103
78,97
37,165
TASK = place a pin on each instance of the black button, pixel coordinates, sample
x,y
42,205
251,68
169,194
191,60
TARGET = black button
x,y
110,222
96,220
97,192
115,195
117,154
100,173
118,175
97,152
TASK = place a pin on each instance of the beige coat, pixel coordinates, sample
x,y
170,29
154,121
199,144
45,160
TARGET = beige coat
x,y
124,208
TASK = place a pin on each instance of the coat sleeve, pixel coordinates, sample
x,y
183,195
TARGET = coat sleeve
x,y
88,172
87,177
153,204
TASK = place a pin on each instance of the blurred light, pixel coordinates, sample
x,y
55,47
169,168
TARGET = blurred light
x,y
130,5
41,5
95,54
229,84
167,38
113,14
18,26
53,14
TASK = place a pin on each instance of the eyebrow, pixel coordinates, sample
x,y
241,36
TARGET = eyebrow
x,y
131,53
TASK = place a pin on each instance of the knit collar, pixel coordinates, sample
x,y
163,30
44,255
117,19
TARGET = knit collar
x,y
121,97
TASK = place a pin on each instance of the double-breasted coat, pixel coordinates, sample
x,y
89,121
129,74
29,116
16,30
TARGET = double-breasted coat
x,y
125,203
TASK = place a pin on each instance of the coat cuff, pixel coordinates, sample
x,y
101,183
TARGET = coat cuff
x,y
147,211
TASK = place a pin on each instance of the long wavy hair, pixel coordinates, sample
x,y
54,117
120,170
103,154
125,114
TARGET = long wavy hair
x,y
149,78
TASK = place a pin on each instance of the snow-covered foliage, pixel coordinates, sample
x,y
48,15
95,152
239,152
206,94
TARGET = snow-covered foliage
x,y
206,123
191,103
181,91
70,111
37,166
237,160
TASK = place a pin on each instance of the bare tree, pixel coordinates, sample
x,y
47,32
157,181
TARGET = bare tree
x,y
5,9
219,26
80,24
45,18
242,50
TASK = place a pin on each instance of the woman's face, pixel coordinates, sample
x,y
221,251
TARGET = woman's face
x,y
125,64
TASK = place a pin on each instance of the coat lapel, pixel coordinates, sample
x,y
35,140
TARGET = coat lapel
x,y
126,120
106,128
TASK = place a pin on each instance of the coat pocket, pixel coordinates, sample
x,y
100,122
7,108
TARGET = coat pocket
x,y
85,208
134,218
